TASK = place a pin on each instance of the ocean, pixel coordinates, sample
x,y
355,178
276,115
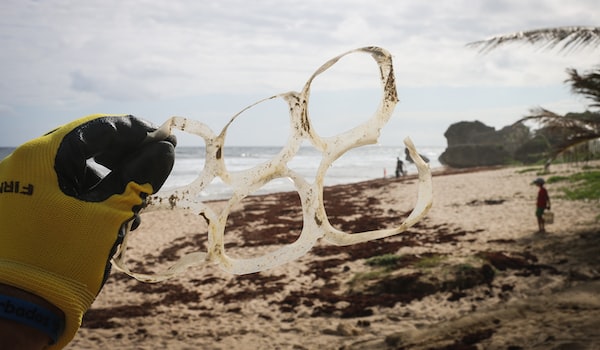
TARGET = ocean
x,y
4,151
360,164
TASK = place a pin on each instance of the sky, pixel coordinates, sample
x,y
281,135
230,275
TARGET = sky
x,y
208,60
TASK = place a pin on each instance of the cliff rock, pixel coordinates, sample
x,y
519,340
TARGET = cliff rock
x,y
472,144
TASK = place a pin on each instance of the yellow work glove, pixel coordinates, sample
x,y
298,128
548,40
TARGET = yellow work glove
x,y
61,221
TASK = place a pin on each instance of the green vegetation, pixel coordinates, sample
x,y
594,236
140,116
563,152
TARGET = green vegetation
x,y
557,178
587,186
464,276
589,167
429,261
386,260
384,265
387,274
540,171
583,185
393,261
528,170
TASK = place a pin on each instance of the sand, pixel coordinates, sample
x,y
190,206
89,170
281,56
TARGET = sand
x,y
474,274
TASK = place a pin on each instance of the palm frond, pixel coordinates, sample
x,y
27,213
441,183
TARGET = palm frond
x,y
566,38
586,84
575,129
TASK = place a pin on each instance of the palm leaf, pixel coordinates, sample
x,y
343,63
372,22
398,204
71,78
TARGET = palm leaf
x,y
567,38
577,128
587,84
573,129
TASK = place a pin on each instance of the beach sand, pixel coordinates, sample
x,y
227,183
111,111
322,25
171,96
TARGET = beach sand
x,y
474,274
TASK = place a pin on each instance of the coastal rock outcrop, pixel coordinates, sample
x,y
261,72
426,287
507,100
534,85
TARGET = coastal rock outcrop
x,y
472,144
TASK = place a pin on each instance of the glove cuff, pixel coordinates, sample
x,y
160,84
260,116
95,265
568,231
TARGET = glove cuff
x,y
32,315
72,297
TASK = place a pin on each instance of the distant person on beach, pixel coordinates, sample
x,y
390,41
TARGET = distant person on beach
x,y
61,221
399,167
409,158
542,203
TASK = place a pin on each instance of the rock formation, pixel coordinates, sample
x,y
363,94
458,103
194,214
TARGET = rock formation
x,y
472,144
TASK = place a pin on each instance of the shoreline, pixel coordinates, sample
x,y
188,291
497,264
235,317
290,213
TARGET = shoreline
x,y
473,273
438,171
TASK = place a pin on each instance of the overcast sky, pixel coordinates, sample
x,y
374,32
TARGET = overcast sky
x,y
207,60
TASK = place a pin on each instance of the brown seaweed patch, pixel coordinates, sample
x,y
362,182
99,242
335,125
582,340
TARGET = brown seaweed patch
x,y
250,286
103,317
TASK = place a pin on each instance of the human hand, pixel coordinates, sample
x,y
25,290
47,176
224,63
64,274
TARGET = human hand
x,y
61,220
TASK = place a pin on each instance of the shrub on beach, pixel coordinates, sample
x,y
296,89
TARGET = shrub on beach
x,y
582,186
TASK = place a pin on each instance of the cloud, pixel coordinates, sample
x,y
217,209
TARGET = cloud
x,y
6,110
81,82
66,55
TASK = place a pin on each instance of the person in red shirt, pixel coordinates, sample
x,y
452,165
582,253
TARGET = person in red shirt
x,y
542,203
